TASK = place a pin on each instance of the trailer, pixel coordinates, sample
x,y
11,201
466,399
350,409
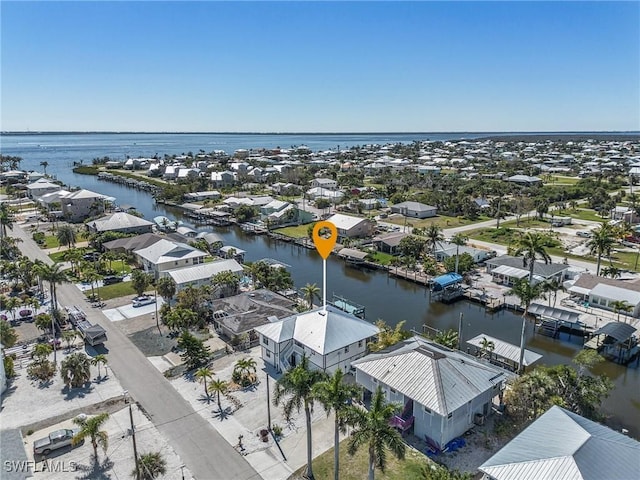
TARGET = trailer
x,y
92,334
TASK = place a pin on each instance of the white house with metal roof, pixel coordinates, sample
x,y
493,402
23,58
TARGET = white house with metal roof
x,y
563,445
81,204
197,275
330,338
507,270
41,187
120,222
443,391
414,209
351,227
602,292
167,255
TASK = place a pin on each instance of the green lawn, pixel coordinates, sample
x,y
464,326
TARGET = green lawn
x,y
580,213
356,467
116,290
441,220
57,256
299,231
562,180
381,258
50,241
526,223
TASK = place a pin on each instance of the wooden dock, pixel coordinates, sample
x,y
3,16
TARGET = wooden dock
x,y
414,276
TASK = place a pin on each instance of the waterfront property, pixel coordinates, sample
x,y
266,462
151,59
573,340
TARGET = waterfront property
x,y
330,338
121,222
351,227
131,244
168,255
507,270
197,275
501,353
389,242
444,392
446,250
414,209
41,187
607,293
447,287
82,204
562,444
615,341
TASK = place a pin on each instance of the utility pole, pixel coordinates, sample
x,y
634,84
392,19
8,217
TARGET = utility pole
x,y
521,362
460,331
133,437
268,405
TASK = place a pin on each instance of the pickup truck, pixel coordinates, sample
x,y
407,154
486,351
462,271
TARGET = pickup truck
x,y
55,440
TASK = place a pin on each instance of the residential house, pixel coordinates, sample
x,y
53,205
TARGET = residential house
x,y
525,180
82,204
240,314
185,173
330,338
602,292
327,183
200,196
446,250
229,251
197,275
369,203
563,445
443,392
120,222
41,187
334,196
273,206
224,179
507,270
389,242
168,255
170,172
351,227
414,209
131,244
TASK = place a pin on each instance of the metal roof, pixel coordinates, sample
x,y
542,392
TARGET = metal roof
x,y
506,350
545,270
554,313
562,444
352,253
203,271
119,220
616,293
432,375
512,272
345,222
446,280
618,330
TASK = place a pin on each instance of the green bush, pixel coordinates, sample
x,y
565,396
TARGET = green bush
x,y
9,368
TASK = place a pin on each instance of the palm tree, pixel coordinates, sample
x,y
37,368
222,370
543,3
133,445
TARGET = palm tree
x,y
6,218
66,236
8,335
151,466
44,164
90,427
434,236
526,292
98,360
203,375
245,367
166,288
74,257
552,287
227,282
68,336
486,346
601,242
620,306
458,240
335,395
309,292
12,304
219,387
612,272
297,386
373,430
75,370
532,245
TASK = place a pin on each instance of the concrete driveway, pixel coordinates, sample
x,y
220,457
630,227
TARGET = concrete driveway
x,y
129,311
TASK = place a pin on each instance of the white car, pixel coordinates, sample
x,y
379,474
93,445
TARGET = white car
x,y
583,234
143,300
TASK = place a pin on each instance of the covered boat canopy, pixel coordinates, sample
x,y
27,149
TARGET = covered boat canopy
x,y
554,313
352,254
446,280
505,350
618,330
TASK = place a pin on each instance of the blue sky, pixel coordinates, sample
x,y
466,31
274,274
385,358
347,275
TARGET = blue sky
x,y
325,66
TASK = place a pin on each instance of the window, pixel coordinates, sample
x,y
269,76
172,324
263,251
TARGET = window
x,y
346,349
450,415
268,353
265,340
360,344
392,390
374,380
176,263
426,410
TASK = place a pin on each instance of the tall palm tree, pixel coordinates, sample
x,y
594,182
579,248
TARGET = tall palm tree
x,y
12,304
245,367
526,293
459,239
166,288
74,257
219,387
227,282
204,375
6,218
601,242
8,335
309,292
44,164
294,390
151,466
620,306
552,287
373,430
532,245
90,427
75,370
66,236
100,359
434,236
486,346
335,395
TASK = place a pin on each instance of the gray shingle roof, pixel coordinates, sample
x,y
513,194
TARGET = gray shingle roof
x,y
545,270
562,444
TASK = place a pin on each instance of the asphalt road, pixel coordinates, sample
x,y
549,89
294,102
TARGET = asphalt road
x,y
205,452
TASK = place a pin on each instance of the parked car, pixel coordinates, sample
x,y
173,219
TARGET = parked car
x,y
58,439
91,256
583,234
143,300
111,279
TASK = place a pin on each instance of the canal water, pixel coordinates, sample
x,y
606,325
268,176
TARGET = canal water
x,y
382,296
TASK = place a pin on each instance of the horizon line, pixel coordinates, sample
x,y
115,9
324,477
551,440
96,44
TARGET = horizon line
x,y
187,132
